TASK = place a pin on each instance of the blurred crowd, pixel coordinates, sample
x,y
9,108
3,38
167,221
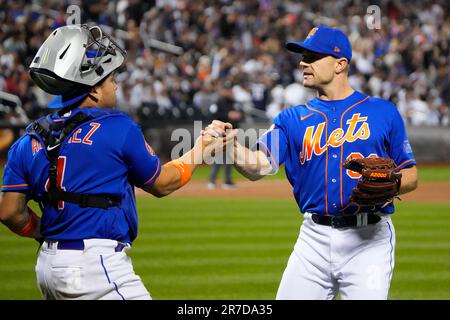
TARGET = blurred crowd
x,y
185,57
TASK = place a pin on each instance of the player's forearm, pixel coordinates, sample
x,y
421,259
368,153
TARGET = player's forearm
x,y
29,225
409,180
251,164
175,174
168,181
20,219
12,213
193,158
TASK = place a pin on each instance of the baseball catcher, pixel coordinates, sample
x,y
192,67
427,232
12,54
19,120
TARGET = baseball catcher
x,y
82,164
379,184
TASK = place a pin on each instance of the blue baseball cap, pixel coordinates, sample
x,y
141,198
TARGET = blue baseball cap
x,y
325,40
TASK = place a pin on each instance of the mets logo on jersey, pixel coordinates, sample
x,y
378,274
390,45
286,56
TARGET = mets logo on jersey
x,y
313,137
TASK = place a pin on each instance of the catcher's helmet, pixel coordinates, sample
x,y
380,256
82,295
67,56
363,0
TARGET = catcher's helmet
x,y
75,58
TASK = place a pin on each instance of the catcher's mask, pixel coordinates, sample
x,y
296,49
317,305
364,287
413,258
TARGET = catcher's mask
x,y
73,59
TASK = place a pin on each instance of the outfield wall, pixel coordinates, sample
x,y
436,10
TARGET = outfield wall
x,y
430,144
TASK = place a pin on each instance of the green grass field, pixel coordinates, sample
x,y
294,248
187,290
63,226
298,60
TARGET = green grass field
x,y
426,173
238,249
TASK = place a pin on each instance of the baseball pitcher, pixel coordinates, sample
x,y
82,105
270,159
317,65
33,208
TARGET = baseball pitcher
x,y
347,157
81,165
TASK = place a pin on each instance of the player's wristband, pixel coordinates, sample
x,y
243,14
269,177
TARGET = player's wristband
x,y
184,170
29,229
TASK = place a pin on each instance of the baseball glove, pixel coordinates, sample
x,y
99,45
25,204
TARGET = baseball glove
x,y
379,184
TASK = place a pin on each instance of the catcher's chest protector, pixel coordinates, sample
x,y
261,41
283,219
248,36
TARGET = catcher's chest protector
x,y
44,131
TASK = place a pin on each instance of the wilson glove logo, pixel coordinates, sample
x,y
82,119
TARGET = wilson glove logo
x,y
378,175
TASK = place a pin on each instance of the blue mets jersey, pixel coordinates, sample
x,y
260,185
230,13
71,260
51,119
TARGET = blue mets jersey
x,y
315,139
107,154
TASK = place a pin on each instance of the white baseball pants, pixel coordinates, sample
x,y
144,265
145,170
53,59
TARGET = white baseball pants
x,y
356,262
96,273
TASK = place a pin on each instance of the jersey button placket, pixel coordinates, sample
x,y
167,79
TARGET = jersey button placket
x,y
335,168
333,162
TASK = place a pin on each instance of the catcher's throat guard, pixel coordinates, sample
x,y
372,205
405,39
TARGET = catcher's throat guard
x,y
43,130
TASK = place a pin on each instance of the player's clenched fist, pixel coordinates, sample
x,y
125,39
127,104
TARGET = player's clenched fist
x,y
216,137
217,128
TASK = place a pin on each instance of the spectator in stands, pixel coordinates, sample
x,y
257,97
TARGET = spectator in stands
x,y
239,39
206,97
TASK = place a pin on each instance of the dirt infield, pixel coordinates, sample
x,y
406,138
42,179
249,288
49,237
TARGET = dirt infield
x,y
436,192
